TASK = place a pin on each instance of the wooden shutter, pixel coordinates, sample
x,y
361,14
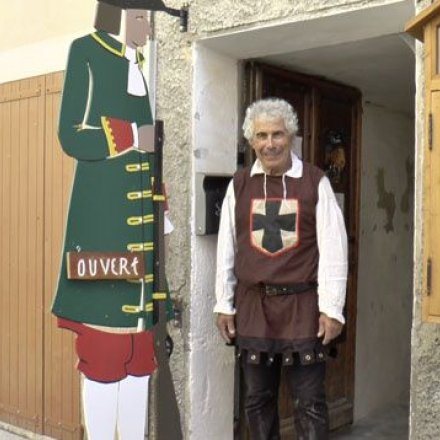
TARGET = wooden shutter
x,y
21,255
431,189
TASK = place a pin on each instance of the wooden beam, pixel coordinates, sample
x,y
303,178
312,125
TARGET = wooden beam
x,y
416,25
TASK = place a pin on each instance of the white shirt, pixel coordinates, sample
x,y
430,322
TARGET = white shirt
x,y
136,82
331,240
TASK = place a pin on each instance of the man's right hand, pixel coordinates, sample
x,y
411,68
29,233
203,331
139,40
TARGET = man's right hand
x,y
226,325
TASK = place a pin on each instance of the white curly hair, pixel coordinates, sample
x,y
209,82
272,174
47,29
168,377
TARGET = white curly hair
x,y
270,108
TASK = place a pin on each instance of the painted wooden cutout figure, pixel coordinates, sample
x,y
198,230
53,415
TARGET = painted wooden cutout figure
x,y
106,125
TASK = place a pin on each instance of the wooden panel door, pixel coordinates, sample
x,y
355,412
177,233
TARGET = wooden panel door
x,y
339,116
21,256
431,209
262,85
61,380
323,107
39,386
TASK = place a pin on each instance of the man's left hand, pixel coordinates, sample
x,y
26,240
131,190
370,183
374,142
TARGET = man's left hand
x,y
329,328
169,345
146,138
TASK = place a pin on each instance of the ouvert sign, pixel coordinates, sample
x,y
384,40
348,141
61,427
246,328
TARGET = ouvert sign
x,y
105,265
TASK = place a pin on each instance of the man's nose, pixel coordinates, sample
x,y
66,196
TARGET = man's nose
x,y
270,140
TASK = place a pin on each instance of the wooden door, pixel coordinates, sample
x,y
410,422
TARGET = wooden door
x,y
21,252
61,380
39,387
325,111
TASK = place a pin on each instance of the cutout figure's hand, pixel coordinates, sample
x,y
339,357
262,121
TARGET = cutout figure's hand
x,y
169,345
146,138
329,328
226,326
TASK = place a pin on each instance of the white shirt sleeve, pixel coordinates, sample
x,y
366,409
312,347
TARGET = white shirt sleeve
x,y
332,244
225,280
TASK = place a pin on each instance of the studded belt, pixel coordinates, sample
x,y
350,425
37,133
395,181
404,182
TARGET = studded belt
x,y
286,289
304,357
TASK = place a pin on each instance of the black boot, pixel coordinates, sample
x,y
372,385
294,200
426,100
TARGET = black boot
x,y
306,383
261,400
311,420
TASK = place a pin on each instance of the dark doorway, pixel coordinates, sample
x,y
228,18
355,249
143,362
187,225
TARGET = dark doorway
x,y
330,132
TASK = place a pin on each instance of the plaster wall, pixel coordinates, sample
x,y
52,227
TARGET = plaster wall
x,y
36,51
211,363
425,358
40,58
215,108
35,36
29,22
385,259
209,16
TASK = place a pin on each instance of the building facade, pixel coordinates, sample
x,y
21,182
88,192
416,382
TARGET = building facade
x,y
346,57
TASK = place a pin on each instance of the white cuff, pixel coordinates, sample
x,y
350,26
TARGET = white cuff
x,y
332,311
224,308
134,129
168,226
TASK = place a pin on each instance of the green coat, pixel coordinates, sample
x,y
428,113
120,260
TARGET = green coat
x,y
111,194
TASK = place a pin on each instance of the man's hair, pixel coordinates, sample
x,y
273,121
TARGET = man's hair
x,y
270,108
108,18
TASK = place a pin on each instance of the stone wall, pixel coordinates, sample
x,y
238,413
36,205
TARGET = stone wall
x,y
385,250
175,107
212,16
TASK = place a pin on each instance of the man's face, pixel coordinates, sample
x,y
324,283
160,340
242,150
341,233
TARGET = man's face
x,y
271,144
137,27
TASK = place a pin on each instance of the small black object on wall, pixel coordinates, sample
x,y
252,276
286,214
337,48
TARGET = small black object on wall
x,y
210,192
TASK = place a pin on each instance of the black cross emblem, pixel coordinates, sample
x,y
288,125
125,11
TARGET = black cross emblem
x,y
273,223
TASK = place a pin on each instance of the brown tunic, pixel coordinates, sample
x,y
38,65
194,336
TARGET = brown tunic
x,y
276,244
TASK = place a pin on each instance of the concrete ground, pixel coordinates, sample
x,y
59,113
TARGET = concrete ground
x,y
8,432
389,424
7,435
4,435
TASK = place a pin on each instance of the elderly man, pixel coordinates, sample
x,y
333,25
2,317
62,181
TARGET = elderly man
x,y
281,274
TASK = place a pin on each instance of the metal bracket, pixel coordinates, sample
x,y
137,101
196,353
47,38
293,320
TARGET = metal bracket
x,y
178,313
430,131
429,277
182,13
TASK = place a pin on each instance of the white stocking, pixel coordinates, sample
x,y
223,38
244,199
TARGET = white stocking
x,y
133,407
100,403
